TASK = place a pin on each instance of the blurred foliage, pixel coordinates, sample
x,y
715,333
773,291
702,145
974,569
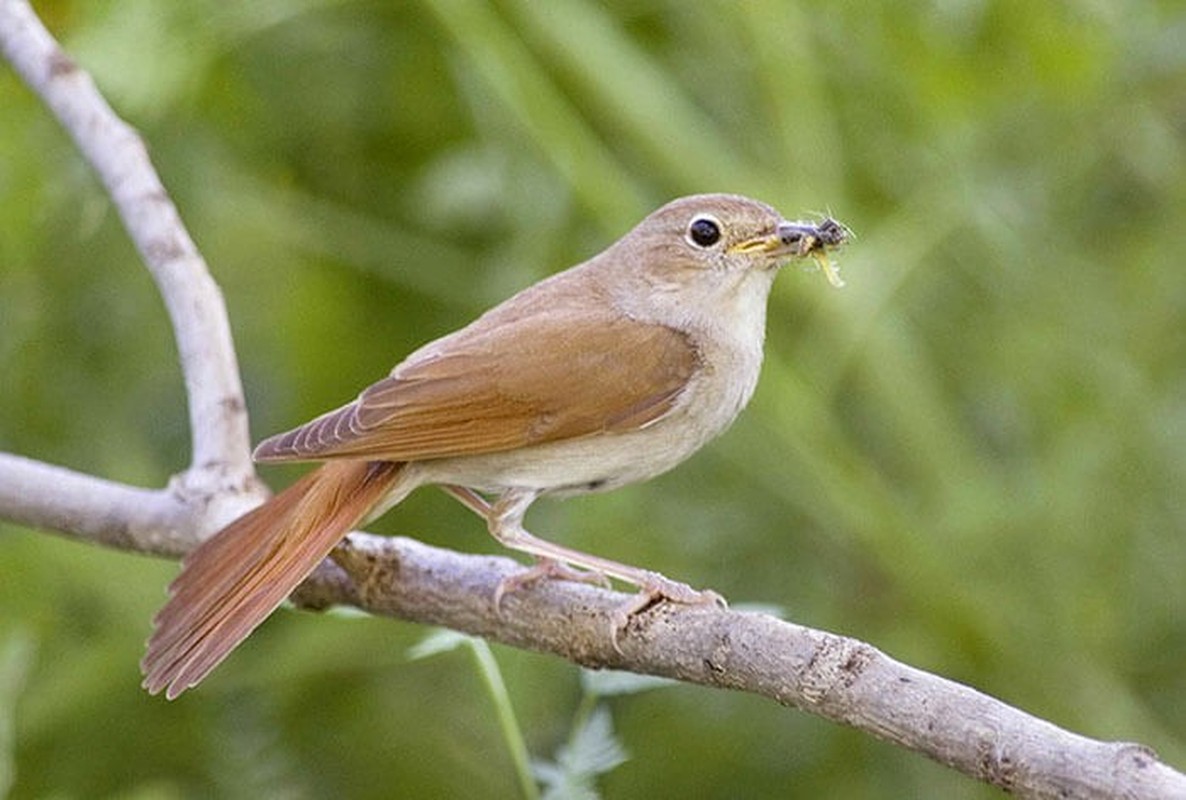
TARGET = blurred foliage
x,y
972,457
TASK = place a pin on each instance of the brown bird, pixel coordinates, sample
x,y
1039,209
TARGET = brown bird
x,y
611,372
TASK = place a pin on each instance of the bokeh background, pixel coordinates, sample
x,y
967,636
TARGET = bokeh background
x,y
974,456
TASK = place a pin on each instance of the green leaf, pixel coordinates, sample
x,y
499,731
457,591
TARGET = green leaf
x,y
592,751
612,682
439,641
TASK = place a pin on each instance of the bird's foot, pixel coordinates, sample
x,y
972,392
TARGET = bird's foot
x,y
546,569
653,589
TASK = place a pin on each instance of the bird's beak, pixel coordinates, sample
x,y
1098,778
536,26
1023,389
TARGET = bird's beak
x,y
799,239
790,239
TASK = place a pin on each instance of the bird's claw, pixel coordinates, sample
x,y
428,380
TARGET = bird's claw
x,y
655,589
545,569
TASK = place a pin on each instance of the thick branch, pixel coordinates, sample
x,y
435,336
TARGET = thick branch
x,y
832,676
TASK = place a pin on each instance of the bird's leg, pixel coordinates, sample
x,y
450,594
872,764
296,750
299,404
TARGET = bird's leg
x,y
544,567
504,518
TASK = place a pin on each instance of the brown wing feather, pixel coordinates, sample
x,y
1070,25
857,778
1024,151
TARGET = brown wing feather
x,y
542,378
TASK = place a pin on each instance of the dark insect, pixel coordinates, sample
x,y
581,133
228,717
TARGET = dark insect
x,y
831,233
817,240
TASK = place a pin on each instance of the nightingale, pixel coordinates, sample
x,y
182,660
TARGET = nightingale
x,y
608,373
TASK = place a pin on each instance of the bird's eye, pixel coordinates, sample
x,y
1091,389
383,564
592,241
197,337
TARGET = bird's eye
x,y
704,232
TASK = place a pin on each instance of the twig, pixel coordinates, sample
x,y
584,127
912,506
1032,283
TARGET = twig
x,y
84,507
218,417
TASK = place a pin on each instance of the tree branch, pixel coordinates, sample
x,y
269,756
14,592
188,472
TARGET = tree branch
x,y
218,416
84,507
834,677
831,676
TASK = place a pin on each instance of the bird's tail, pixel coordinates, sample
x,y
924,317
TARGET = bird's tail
x,y
234,580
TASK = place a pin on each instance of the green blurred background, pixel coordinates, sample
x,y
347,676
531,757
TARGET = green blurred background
x,y
974,456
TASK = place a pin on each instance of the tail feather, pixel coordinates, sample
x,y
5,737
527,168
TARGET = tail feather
x,y
234,580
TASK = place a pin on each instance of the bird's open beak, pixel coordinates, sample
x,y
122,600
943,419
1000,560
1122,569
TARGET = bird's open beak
x,y
799,239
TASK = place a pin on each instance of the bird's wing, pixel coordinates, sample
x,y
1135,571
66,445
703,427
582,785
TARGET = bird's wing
x,y
488,388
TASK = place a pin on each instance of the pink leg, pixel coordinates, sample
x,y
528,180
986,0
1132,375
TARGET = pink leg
x,y
504,518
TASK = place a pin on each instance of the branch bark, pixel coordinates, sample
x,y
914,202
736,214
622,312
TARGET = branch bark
x,y
837,678
221,474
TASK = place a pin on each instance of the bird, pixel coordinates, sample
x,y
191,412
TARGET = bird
x,y
606,374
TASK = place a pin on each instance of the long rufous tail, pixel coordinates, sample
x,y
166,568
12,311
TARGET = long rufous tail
x,y
234,580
